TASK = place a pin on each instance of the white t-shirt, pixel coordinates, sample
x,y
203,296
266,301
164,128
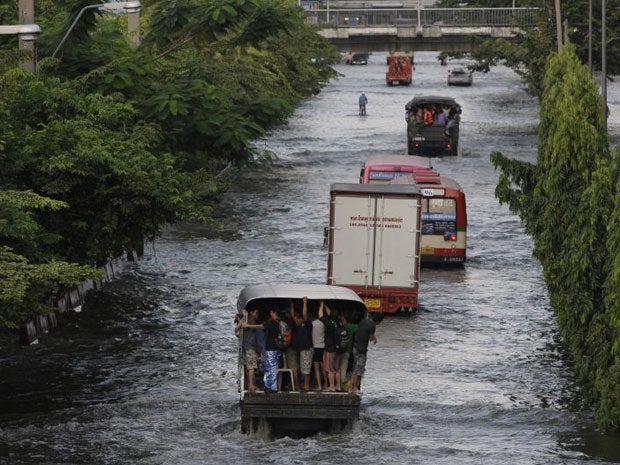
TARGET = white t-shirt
x,y
318,334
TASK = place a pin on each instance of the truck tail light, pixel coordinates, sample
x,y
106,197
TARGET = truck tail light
x,y
449,236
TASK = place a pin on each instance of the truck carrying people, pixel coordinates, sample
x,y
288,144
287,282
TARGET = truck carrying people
x,y
310,383
432,126
400,68
374,244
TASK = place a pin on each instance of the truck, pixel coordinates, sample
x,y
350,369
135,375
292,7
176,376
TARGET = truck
x,y
432,126
295,412
400,68
374,243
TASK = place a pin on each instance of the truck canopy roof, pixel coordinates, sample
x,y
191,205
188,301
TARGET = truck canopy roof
x,y
432,100
280,294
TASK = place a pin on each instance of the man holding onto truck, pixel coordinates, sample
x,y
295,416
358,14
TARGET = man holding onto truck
x,y
364,334
272,353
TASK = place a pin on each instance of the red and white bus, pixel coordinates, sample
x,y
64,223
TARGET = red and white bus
x,y
444,211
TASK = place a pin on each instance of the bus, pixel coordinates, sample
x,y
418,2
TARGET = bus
x,y
444,211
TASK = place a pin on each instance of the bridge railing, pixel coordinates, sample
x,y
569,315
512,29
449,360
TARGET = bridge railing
x,y
425,17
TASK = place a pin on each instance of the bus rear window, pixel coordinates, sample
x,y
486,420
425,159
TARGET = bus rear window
x,y
438,215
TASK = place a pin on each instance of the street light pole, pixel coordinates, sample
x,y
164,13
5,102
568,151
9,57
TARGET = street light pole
x,y
132,8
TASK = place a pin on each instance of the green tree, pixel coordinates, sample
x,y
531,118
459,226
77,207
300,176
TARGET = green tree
x,y
28,288
568,202
126,139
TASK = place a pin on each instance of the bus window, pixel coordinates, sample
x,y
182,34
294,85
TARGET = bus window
x,y
438,216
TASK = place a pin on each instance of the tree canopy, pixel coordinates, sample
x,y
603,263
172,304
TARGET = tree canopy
x,y
568,201
107,142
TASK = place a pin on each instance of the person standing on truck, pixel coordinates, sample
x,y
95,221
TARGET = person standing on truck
x,y
302,340
346,362
330,357
364,334
428,117
249,345
272,353
441,119
291,353
318,344
363,100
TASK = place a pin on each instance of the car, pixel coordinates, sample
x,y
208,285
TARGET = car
x,y
359,59
459,76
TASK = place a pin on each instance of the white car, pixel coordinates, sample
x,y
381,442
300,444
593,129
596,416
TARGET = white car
x,y
458,76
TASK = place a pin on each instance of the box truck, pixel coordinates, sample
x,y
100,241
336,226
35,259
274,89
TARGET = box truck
x,y
374,243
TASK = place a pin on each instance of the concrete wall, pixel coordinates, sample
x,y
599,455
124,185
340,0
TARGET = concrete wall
x,y
72,300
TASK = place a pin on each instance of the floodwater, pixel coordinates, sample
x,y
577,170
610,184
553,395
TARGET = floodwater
x,y
146,373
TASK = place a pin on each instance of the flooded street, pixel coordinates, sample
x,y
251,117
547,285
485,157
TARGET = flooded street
x,y
146,373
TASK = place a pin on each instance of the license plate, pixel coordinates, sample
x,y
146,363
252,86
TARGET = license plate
x,y
427,249
372,303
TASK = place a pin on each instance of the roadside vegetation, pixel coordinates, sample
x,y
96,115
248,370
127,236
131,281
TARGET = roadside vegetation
x,y
569,200
107,142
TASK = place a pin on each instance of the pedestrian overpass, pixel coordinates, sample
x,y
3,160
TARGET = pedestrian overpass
x,y
418,29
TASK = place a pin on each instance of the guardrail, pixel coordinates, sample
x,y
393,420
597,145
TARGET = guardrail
x,y
424,17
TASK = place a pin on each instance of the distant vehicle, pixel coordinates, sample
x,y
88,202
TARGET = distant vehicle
x,y
428,132
444,211
359,59
400,68
296,412
458,76
374,244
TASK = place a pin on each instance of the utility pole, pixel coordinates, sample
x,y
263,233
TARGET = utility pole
x,y
133,27
604,62
590,36
558,24
26,16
